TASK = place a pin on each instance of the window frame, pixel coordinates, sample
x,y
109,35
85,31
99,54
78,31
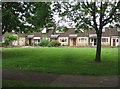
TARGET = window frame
x,y
105,40
83,40
63,40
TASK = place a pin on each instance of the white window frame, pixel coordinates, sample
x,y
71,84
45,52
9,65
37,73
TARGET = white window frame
x,y
105,41
65,40
36,41
83,41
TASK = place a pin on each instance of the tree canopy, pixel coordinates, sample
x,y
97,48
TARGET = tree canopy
x,y
89,14
25,16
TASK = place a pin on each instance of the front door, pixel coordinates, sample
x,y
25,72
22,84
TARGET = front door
x,y
30,41
114,42
94,41
74,41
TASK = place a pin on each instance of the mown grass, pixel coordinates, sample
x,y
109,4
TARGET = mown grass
x,y
61,60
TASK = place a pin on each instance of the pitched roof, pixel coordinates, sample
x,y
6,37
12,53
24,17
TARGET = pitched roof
x,y
107,33
54,36
73,35
113,32
66,34
49,32
110,32
37,34
82,34
21,35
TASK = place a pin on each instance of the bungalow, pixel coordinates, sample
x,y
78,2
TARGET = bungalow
x,y
110,37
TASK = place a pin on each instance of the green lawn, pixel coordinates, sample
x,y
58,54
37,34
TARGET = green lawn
x,y
61,60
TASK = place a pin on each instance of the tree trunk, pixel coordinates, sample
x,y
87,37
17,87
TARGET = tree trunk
x,y
98,50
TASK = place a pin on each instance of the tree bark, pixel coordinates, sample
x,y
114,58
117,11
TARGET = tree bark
x,y
98,50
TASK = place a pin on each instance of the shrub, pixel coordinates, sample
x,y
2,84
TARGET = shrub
x,y
54,44
36,44
3,45
8,39
44,43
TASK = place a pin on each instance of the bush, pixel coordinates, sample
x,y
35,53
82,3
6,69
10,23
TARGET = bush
x,y
36,44
4,45
9,38
44,43
54,44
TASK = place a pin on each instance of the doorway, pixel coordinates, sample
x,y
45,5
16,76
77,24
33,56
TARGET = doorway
x,y
74,41
94,41
30,41
114,41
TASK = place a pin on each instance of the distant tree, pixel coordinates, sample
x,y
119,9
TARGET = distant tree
x,y
90,14
25,16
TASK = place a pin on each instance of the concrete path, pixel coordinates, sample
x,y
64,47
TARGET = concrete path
x,y
62,80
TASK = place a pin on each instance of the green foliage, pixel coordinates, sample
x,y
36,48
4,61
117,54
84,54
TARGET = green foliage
x,y
62,28
9,38
10,19
4,44
44,42
37,14
36,44
54,43
85,14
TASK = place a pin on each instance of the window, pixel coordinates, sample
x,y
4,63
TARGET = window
x,y
36,41
82,40
104,39
63,40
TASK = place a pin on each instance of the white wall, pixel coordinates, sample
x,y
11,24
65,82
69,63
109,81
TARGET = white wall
x,y
21,41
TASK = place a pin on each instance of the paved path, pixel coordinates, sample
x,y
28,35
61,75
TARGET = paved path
x,y
63,80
